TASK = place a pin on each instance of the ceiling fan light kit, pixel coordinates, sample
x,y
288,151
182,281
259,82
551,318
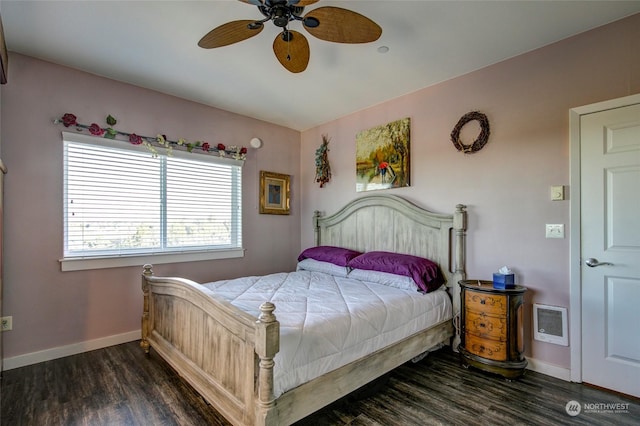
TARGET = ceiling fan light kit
x,y
291,47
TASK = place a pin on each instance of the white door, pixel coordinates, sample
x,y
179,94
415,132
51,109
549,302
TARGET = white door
x,y
610,252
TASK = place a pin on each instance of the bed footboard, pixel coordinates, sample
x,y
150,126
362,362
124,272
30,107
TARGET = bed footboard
x,y
223,352
228,355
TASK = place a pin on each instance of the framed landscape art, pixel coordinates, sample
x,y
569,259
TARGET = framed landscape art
x,y
382,156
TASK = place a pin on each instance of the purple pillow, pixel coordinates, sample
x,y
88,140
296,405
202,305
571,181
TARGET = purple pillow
x,y
424,272
336,255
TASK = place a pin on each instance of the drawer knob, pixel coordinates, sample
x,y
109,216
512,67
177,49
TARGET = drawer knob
x,y
482,301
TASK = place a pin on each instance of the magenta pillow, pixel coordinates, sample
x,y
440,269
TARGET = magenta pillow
x,y
424,272
336,255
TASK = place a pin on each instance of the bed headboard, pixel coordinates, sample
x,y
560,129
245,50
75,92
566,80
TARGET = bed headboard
x,y
391,223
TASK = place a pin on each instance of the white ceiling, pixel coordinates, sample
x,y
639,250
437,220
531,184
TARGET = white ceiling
x,y
153,44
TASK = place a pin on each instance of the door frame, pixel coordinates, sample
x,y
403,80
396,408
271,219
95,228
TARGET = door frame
x,y
575,242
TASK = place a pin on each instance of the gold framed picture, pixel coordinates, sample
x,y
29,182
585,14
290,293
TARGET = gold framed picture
x,y
274,193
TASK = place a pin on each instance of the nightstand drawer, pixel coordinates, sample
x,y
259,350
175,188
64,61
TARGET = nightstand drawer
x,y
491,304
486,348
482,325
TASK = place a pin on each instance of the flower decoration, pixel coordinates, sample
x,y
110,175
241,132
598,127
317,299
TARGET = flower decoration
x,y
135,139
323,169
95,130
70,120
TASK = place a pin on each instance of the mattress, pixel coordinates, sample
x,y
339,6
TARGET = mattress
x,y
328,321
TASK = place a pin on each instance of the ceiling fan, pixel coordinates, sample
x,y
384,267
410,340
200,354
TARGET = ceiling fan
x,y
291,47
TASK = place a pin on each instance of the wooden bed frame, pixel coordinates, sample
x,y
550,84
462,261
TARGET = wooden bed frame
x,y
227,355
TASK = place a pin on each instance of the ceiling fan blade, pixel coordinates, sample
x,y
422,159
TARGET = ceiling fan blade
x,y
302,3
293,54
343,26
229,33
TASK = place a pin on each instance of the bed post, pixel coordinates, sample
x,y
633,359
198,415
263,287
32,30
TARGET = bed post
x,y
316,228
147,272
460,227
267,346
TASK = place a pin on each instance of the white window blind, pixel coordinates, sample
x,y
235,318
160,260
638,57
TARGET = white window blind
x,y
119,200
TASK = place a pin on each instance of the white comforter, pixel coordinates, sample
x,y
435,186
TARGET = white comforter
x,y
327,322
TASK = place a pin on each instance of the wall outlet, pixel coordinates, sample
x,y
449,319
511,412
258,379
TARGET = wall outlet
x,y
6,323
554,231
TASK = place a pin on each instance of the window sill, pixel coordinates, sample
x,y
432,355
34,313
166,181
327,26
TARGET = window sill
x,y
86,263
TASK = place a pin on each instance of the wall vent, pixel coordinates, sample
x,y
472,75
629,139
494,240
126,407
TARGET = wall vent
x,y
550,324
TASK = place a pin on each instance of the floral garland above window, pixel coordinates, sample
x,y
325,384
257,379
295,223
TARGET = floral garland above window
x,y
69,120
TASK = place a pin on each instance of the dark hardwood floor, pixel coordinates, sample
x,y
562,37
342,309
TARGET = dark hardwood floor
x,y
120,385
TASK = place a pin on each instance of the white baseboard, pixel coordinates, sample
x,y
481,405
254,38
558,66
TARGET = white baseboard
x,y
62,351
90,345
542,367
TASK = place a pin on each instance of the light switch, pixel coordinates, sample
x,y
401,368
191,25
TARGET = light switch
x,y
554,231
557,192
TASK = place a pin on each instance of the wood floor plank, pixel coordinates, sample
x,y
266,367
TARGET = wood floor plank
x,y
120,385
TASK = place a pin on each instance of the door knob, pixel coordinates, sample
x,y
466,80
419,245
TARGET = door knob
x,y
591,262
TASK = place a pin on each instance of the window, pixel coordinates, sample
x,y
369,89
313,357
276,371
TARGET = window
x,y
122,203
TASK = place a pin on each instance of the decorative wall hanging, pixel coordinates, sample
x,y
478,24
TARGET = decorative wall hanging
x,y
274,193
382,156
482,138
323,169
151,143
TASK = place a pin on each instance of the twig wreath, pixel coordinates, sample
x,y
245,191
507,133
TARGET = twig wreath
x,y
482,138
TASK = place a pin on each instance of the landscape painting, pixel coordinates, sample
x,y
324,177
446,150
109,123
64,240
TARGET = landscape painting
x,y
382,156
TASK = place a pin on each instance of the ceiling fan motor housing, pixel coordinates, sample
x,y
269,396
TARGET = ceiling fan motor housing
x,y
281,13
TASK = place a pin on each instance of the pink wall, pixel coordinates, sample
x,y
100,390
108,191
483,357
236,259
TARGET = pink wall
x,y
506,184
51,308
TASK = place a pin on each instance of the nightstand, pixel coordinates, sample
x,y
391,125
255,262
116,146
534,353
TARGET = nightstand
x,y
491,328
